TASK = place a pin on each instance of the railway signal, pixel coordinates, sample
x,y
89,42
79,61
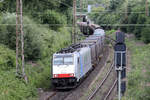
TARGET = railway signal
x,y
120,62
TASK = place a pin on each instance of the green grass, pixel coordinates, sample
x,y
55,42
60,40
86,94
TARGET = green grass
x,y
138,77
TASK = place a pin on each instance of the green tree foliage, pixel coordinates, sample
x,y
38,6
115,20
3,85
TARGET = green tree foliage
x,y
36,8
33,36
117,15
146,34
38,40
114,4
36,5
53,19
40,43
138,30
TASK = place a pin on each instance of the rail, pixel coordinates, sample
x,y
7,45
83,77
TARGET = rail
x,y
101,84
110,91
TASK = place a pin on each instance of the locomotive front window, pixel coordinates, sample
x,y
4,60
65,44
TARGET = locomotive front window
x,y
68,60
63,60
58,61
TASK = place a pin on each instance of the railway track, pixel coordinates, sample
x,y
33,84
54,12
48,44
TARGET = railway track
x,y
58,95
50,96
111,89
99,87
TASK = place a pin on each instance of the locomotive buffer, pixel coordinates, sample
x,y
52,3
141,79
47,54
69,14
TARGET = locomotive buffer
x,y
120,62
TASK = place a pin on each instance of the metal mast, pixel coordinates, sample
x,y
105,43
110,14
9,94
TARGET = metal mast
x,y
146,8
126,14
74,21
19,20
80,8
22,39
17,39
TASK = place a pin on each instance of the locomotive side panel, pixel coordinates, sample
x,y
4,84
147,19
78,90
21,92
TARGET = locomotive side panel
x,y
84,62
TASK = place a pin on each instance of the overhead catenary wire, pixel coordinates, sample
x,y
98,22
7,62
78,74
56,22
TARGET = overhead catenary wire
x,y
70,25
64,3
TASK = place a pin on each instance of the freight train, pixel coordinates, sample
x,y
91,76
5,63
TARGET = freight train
x,y
72,64
87,28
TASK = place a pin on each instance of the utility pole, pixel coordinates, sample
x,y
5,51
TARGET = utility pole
x,y
74,21
126,14
22,41
17,39
146,8
81,8
19,20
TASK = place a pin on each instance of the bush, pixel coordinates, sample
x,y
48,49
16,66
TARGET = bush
x,y
146,34
7,58
141,20
13,88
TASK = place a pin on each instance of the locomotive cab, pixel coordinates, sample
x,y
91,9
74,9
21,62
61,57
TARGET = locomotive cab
x,y
63,71
69,68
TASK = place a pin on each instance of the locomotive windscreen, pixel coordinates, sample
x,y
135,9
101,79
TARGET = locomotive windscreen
x,y
68,60
58,61
63,60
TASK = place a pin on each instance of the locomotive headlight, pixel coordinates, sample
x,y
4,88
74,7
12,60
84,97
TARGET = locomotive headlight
x,y
55,75
72,75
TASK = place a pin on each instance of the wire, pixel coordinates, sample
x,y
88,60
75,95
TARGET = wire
x,y
120,12
70,25
64,4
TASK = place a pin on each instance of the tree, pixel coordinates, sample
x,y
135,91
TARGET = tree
x,y
54,19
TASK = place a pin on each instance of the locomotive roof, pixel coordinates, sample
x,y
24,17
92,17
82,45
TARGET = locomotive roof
x,y
72,48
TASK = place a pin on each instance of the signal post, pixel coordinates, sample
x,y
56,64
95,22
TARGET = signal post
x,y
120,62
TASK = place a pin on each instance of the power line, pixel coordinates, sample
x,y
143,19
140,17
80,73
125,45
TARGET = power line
x,y
64,4
119,12
70,25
